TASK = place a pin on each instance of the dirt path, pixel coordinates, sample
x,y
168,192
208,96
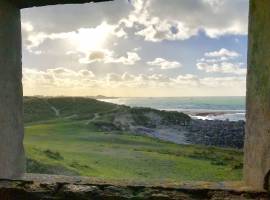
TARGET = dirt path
x,y
96,116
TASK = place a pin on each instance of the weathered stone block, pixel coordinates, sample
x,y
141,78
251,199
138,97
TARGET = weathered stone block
x,y
12,162
257,141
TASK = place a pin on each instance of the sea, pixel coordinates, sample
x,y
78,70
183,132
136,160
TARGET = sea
x,y
206,108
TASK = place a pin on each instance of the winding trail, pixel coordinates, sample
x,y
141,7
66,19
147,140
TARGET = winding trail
x,y
54,109
96,116
57,112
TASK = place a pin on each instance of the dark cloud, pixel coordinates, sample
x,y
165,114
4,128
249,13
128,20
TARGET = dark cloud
x,y
64,18
96,55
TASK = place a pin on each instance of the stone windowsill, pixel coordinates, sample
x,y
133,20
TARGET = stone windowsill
x,y
51,187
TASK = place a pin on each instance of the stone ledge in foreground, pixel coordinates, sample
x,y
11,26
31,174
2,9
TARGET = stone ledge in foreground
x,y
51,187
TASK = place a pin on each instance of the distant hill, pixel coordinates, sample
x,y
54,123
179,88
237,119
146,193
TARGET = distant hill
x,y
46,108
80,108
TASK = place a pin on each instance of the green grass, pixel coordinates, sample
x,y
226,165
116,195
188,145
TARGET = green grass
x,y
65,146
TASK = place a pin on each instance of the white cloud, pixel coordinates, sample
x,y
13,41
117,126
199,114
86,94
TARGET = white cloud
x,y
206,83
215,4
63,77
107,56
221,61
187,79
156,29
63,81
121,33
236,82
70,79
164,64
224,67
130,59
162,31
180,20
87,43
222,53
128,77
155,20
82,40
57,77
113,77
27,26
214,60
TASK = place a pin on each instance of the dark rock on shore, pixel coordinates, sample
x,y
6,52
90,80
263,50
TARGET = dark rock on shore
x,y
216,133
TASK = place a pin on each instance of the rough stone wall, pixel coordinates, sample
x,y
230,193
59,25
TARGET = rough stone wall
x,y
257,144
42,187
11,107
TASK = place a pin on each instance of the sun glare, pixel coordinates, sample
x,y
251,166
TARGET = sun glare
x,y
90,39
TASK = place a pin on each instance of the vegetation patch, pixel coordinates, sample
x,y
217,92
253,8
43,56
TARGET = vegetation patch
x,y
106,126
166,117
34,166
53,155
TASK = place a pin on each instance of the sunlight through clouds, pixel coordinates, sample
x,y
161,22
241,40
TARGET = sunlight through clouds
x,y
189,47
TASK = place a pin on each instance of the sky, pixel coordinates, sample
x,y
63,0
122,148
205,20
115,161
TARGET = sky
x,y
136,48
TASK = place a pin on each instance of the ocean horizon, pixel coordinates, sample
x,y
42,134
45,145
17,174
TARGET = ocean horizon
x,y
230,108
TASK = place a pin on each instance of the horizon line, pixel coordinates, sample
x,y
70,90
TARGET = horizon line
x,y
87,96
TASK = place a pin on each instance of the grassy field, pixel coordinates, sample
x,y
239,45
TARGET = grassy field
x,y
60,145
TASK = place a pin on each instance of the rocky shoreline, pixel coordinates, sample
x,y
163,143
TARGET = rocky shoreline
x,y
177,127
216,133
